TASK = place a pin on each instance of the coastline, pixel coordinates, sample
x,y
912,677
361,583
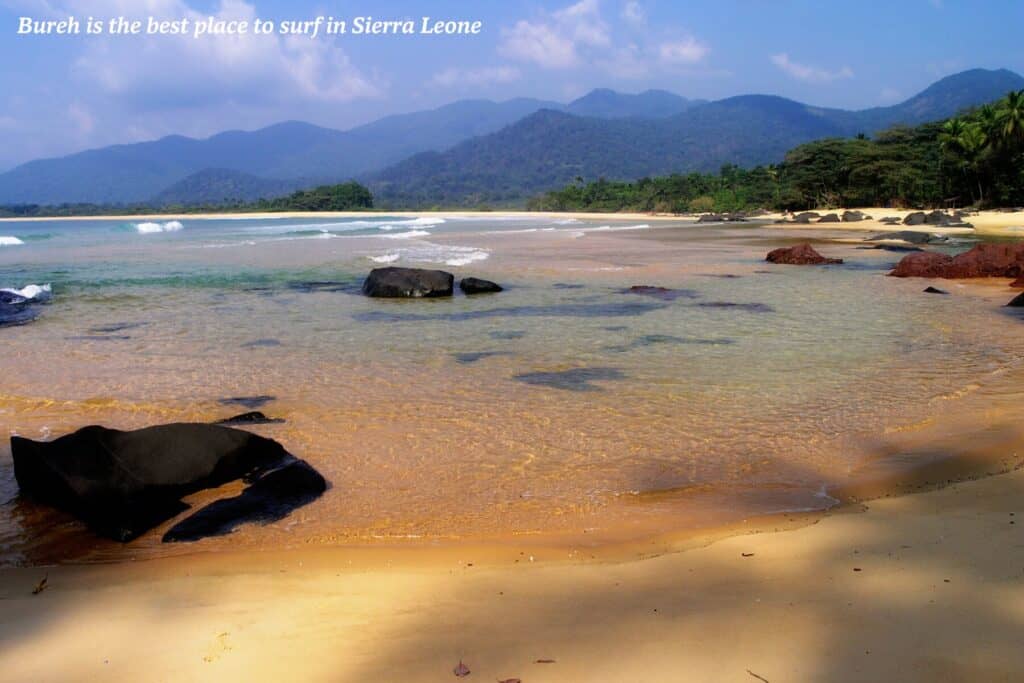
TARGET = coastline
x,y
988,222
884,593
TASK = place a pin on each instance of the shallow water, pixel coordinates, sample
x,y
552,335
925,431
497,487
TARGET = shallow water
x,y
565,406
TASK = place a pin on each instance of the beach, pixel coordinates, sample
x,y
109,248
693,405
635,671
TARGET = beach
x,y
923,587
733,469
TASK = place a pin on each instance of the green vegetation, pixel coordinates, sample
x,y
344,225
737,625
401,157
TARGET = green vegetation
x,y
350,196
975,159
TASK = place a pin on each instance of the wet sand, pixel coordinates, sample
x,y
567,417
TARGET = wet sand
x,y
926,587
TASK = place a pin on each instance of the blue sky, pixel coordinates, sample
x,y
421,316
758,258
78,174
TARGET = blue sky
x,y
64,94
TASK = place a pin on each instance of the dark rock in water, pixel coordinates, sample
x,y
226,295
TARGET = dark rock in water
x,y
473,285
894,247
915,218
124,483
829,218
934,290
750,308
984,260
800,255
567,310
577,379
309,287
252,418
663,293
567,285
116,327
910,236
474,356
413,283
257,343
1017,301
247,401
507,334
269,499
658,339
17,314
723,276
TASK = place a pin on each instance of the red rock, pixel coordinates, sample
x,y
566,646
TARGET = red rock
x,y
800,255
984,260
1019,282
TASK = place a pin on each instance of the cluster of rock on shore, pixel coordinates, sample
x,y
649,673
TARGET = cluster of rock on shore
x,y
1004,260
417,283
937,218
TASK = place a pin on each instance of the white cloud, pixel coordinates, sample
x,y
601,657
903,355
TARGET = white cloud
x,y
488,75
633,13
686,51
188,71
81,117
554,41
810,74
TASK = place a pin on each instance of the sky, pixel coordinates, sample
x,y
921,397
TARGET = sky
x,y
64,93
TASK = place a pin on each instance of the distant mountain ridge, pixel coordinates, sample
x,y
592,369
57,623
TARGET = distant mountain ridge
x,y
550,149
522,145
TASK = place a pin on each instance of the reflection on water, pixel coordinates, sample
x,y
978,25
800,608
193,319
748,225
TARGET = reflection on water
x,y
565,404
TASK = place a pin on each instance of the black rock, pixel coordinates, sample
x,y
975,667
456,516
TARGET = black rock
x,y
1017,302
270,498
252,418
915,218
247,401
890,220
911,236
934,290
124,483
473,285
829,218
394,282
894,247
854,216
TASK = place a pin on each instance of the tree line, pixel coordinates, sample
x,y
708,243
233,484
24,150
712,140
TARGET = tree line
x,y
976,159
350,196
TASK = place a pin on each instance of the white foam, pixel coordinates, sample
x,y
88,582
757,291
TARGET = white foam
x,y
407,235
469,257
32,292
9,241
151,228
386,258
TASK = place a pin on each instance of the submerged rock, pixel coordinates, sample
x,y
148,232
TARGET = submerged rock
x,y
911,236
414,283
122,484
663,293
934,290
474,285
800,255
251,418
984,260
19,306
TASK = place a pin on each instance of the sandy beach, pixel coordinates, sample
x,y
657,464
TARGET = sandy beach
x,y
925,587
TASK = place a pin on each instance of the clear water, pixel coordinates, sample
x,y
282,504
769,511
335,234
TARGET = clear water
x,y
563,407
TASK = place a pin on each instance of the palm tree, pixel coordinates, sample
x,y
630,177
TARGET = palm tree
x,y
1011,116
972,143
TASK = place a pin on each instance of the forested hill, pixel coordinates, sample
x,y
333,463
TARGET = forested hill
x,y
549,149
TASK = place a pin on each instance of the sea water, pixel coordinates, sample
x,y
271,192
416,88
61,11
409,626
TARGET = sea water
x,y
564,407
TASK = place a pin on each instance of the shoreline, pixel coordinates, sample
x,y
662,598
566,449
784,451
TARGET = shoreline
x,y
845,597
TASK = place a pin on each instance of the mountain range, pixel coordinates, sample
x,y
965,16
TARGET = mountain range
x,y
474,151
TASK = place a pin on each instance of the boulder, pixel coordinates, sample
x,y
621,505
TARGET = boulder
x,y
800,255
412,283
911,236
1017,301
854,216
890,220
915,218
123,483
1019,282
805,217
251,418
984,260
934,290
473,285
829,218
711,218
